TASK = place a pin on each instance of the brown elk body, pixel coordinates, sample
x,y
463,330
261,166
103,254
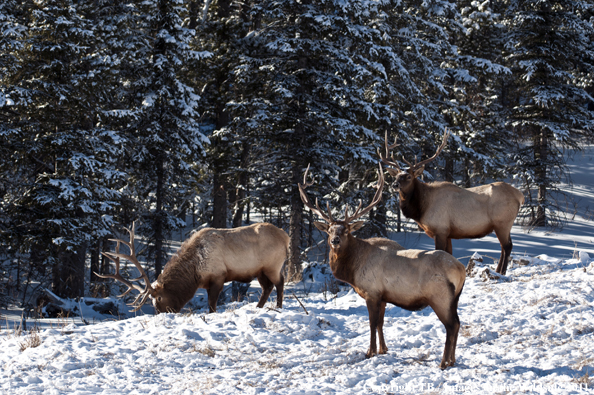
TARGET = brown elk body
x,y
446,211
210,258
381,272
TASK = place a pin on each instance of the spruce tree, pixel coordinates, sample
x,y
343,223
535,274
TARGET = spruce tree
x,y
165,143
64,158
477,115
319,83
544,49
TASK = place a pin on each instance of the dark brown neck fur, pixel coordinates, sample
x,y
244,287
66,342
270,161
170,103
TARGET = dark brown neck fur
x,y
180,275
411,202
343,263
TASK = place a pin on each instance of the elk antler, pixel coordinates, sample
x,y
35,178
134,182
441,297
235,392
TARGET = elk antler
x,y
317,210
358,213
422,163
115,257
376,199
391,161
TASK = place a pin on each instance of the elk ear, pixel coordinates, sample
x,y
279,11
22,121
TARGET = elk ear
x,y
322,226
419,171
392,172
356,226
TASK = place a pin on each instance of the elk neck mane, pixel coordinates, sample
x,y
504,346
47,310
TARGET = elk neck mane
x,y
345,263
182,271
411,202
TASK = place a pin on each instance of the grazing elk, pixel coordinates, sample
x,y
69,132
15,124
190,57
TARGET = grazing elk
x,y
383,272
208,259
446,211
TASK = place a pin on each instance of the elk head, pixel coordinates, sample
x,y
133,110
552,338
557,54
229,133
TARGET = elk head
x,y
339,230
162,300
404,178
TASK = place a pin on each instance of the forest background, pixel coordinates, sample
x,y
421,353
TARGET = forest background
x,y
184,112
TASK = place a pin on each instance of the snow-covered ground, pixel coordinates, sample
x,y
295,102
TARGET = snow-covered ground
x,y
531,332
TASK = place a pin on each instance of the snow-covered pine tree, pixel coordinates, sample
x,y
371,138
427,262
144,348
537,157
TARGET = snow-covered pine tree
x,y
12,32
219,28
299,96
319,82
425,73
544,49
164,142
65,160
478,112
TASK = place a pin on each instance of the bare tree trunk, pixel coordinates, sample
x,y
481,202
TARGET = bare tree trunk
x,y
540,156
243,179
104,260
448,170
380,217
158,222
95,253
194,14
69,273
219,202
248,206
239,290
467,173
294,269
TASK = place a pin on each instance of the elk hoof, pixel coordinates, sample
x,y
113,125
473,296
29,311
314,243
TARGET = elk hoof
x,y
383,350
445,364
370,353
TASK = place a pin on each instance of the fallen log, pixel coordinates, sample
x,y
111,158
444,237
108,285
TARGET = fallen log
x,y
50,305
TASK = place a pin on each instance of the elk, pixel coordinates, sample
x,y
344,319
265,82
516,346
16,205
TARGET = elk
x,y
208,259
446,211
381,272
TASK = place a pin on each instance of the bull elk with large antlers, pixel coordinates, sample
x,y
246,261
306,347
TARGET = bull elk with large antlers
x,y
208,259
446,211
381,272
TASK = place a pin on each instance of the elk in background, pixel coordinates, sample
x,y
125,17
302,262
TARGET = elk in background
x,y
381,272
208,259
446,211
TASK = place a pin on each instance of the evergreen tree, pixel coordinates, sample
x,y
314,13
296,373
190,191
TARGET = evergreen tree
x,y
544,49
319,82
12,32
219,32
164,138
478,112
63,158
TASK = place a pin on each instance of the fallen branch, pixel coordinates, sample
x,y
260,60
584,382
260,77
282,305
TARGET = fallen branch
x,y
51,305
489,274
304,309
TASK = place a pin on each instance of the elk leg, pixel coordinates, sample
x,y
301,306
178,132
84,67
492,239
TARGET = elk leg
x,y
449,249
506,249
278,280
280,285
266,289
447,312
441,242
213,292
383,349
456,329
373,308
